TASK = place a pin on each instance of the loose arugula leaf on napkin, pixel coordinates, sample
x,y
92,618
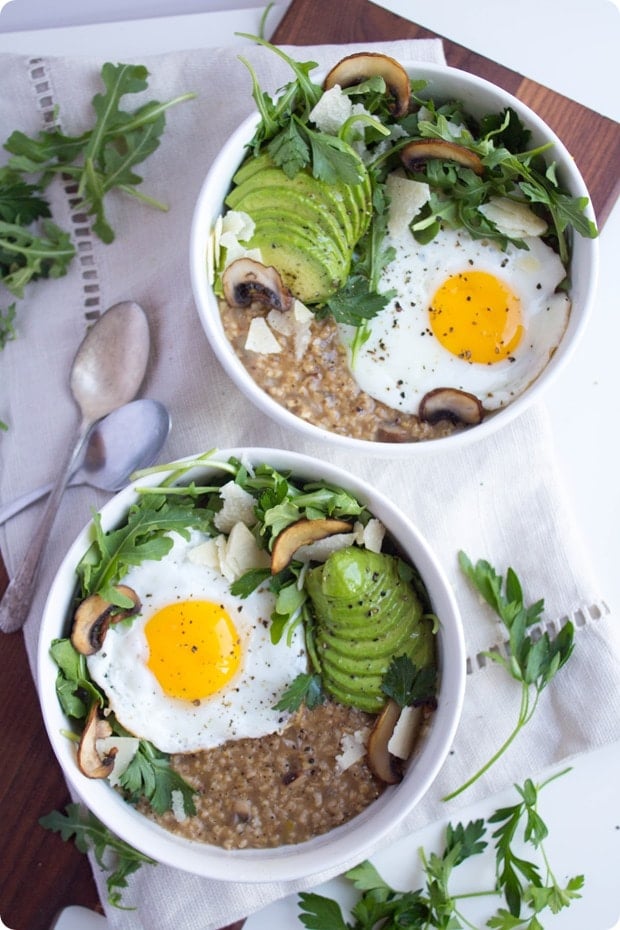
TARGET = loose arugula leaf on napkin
x,y
100,160
91,835
527,887
533,657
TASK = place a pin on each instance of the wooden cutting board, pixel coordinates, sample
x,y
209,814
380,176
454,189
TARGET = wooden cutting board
x,y
592,139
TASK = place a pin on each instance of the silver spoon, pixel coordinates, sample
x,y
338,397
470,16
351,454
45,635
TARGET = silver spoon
x,y
127,439
107,372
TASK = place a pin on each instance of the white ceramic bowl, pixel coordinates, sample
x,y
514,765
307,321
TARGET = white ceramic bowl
x,y
354,839
479,97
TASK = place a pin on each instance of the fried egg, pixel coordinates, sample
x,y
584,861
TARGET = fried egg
x,y
466,314
197,667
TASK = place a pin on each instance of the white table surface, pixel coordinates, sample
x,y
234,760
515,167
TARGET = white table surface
x,y
572,47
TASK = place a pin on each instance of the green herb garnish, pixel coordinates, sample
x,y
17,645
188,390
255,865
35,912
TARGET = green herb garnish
x,y
534,658
409,685
305,689
525,888
100,160
91,835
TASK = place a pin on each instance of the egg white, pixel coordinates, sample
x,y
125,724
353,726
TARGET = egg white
x,y
242,708
402,359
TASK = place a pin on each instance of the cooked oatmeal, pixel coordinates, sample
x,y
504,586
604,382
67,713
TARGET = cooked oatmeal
x,y
319,387
280,789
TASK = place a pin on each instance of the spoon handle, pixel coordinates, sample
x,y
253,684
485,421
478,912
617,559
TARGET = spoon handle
x,y
15,604
24,500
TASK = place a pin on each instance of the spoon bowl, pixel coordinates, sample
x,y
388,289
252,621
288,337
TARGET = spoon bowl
x,y
107,371
127,439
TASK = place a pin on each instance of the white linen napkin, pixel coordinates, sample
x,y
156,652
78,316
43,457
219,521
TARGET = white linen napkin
x,y
501,499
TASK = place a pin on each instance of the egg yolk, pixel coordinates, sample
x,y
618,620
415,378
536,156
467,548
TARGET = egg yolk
x,y
194,648
476,317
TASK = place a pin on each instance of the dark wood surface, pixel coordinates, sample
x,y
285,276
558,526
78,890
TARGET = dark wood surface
x,y
39,873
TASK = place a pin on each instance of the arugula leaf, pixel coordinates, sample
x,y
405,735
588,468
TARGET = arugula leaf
x,y
143,536
150,776
101,159
7,327
409,685
74,686
90,835
304,689
534,658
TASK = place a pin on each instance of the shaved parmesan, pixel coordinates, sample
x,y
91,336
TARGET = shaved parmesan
x,y
332,110
238,506
405,733
126,747
242,552
353,746
373,535
407,197
260,338
513,218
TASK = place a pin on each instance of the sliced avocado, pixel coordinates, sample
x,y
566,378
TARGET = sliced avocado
x,y
366,614
342,205
309,269
296,208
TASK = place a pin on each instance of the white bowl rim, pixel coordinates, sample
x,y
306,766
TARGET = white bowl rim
x,y
589,248
286,863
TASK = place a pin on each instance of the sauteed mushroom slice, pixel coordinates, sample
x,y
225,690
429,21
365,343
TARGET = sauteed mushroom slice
x,y
93,617
419,151
299,534
380,760
89,761
356,68
246,281
451,404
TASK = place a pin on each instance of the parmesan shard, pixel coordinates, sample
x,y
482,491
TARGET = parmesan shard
x,y
261,339
237,505
405,733
407,197
513,218
126,747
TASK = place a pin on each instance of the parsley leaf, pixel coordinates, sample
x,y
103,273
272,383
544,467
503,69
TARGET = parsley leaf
x,y
27,254
90,835
534,658
304,689
409,685
527,887
150,776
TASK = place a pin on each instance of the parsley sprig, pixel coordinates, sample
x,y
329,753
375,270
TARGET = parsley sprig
x,y
533,657
113,855
524,888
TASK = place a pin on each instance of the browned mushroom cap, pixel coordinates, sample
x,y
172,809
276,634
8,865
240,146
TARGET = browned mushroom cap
x,y
417,152
246,282
451,404
380,760
89,761
93,617
299,534
356,68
